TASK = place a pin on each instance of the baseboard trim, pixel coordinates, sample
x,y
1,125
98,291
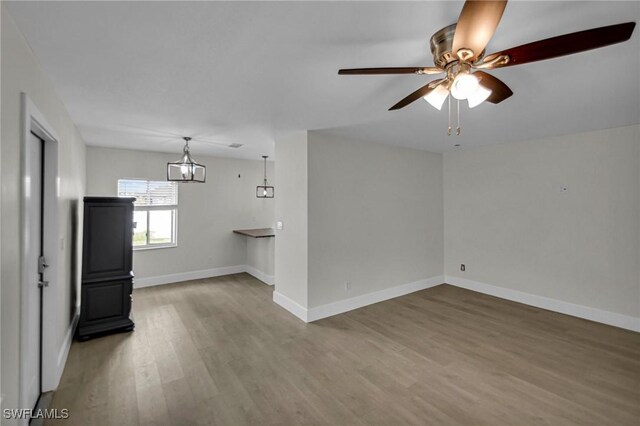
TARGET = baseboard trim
x,y
64,350
290,305
267,279
187,276
342,306
567,308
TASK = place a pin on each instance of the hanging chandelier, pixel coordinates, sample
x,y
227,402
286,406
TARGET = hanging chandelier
x,y
264,190
185,169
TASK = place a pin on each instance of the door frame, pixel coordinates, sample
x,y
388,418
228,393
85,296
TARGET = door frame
x,y
33,121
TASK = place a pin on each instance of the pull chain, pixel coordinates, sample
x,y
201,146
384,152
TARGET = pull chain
x,y
449,102
458,129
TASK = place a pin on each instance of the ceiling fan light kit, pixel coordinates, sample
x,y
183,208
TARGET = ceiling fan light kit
x,y
459,52
186,170
464,83
437,96
479,96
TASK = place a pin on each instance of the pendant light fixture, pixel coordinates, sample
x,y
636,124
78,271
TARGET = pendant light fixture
x,y
264,190
185,169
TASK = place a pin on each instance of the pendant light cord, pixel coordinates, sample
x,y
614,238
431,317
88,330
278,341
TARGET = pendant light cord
x,y
265,170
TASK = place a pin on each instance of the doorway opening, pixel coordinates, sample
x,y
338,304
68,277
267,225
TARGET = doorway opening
x,y
41,244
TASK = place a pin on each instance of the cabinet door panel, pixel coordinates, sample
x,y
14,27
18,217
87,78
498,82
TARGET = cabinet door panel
x,y
106,301
107,250
106,306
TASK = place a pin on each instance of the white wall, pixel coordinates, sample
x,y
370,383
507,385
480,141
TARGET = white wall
x,y
357,212
21,73
375,217
261,256
291,208
207,213
509,221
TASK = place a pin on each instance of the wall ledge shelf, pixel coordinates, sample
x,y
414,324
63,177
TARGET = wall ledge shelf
x,y
256,233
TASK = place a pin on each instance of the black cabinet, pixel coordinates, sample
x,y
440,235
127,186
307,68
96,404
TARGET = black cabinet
x,y
107,257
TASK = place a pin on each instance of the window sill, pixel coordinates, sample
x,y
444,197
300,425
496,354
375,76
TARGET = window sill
x,y
154,247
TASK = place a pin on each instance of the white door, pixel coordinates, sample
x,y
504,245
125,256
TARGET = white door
x,y
34,277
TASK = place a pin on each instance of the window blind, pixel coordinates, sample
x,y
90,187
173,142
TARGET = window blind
x,y
149,192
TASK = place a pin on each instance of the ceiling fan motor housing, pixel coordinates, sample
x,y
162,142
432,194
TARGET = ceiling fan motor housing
x,y
441,44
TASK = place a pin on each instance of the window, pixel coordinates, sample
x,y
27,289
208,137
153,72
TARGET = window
x,y
155,211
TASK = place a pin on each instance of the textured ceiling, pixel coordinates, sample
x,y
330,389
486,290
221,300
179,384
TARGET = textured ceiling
x,y
133,74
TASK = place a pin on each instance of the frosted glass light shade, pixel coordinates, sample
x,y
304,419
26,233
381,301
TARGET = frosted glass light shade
x,y
437,96
464,86
479,96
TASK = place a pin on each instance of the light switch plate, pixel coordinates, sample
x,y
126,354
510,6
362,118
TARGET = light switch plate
x,y
279,225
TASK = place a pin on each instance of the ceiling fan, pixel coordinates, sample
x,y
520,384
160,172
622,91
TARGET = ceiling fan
x,y
459,53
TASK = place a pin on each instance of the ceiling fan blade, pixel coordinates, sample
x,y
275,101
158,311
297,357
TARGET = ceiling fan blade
x,y
499,90
476,25
566,44
379,71
421,92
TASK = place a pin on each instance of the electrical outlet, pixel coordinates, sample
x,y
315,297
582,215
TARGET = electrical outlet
x,y
347,285
462,267
279,225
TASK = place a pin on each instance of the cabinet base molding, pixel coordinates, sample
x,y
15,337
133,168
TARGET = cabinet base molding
x,y
90,331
